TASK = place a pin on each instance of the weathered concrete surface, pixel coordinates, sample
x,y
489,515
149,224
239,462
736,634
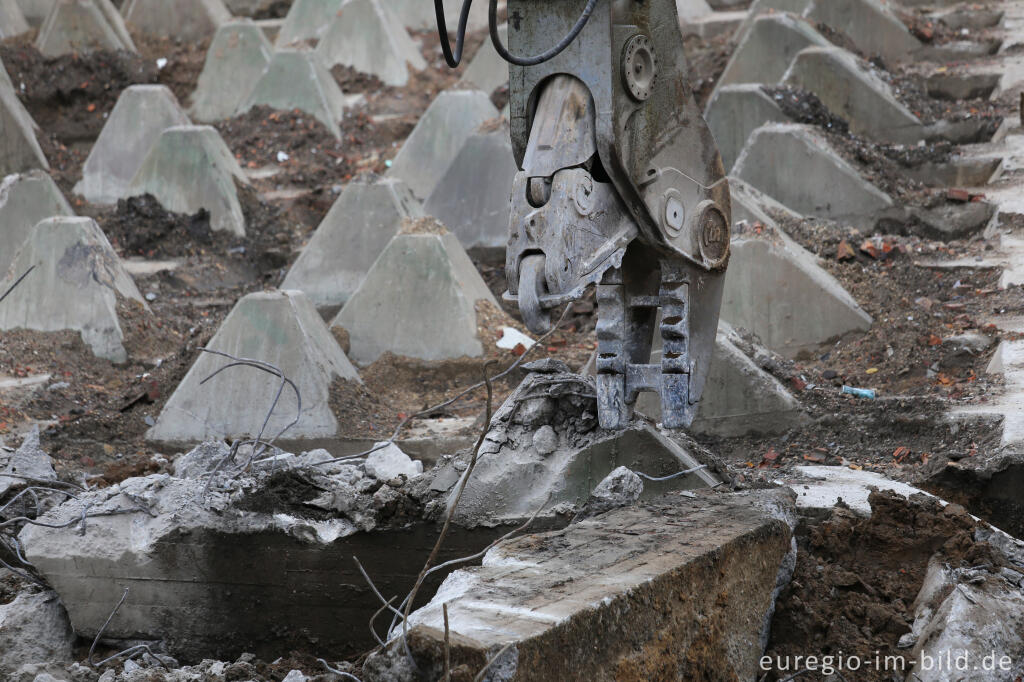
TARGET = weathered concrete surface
x,y
820,488
26,199
853,92
870,24
419,300
768,48
736,111
237,57
278,327
439,136
367,36
753,206
12,19
141,114
350,238
19,148
759,8
34,628
673,588
295,79
82,26
487,70
182,19
472,199
190,168
29,463
35,11
307,20
817,182
777,290
78,283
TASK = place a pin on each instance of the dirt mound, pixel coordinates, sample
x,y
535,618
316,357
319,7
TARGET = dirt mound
x,y
140,226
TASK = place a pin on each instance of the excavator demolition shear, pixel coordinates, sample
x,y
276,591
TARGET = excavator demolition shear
x,y
620,185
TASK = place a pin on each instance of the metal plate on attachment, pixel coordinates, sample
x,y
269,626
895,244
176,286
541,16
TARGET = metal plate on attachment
x,y
639,67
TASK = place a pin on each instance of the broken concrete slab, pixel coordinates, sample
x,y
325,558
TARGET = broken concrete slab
x,y
431,292
82,26
768,48
19,148
307,20
28,464
736,111
37,622
237,57
471,199
669,575
818,182
821,488
78,283
853,92
870,25
141,114
189,20
777,290
189,169
367,214
367,36
277,327
295,79
487,70
439,136
25,199
12,20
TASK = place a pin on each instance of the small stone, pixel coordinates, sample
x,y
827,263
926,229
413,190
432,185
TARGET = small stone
x,y
619,488
390,462
535,411
545,440
295,676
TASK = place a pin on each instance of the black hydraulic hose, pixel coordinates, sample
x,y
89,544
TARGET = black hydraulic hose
x,y
455,59
544,56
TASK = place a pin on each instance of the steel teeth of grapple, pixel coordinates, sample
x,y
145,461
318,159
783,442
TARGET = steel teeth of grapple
x,y
676,408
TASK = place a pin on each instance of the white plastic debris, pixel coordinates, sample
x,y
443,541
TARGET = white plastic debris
x,y
510,338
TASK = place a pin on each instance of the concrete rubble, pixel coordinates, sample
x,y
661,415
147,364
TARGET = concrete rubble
x,y
438,137
19,148
432,292
307,20
237,57
296,79
78,283
361,222
367,36
38,624
141,114
182,19
25,199
82,26
189,169
29,463
281,328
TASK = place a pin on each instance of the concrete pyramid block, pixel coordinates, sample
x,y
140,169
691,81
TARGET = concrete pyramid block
x,y
369,212
419,15
190,168
19,148
366,35
751,205
141,114
295,79
12,19
238,56
795,165
768,48
82,26
759,8
307,20
182,19
856,94
472,198
777,290
78,283
488,71
419,300
278,327
35,11
25,200
439,136
870,24
734,112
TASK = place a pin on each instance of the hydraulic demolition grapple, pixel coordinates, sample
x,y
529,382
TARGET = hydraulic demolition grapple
x,y
620,185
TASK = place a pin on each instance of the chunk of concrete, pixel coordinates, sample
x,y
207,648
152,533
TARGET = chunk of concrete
x,y
389,462
796,165
25,199
820,488
736,111
78,283
277,327
141,114
180,19
438,137
853,92
12,20
777,290
295,79
34,628
28,464
367,36
238,56
307,20
190,168
82,26
419,300
636,584
870,25
768,48
487,70
472,199
351,236
19,148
